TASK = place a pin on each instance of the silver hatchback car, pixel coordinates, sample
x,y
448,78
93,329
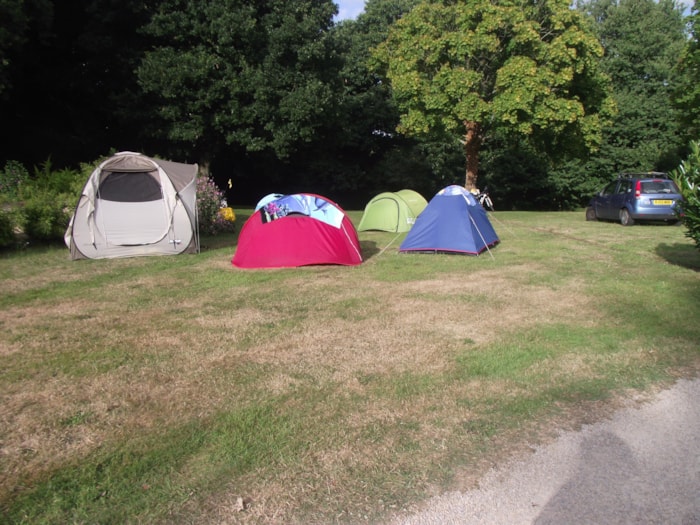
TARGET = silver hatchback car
x,y
637,197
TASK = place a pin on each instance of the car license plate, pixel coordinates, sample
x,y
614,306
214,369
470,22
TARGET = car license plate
x,y
662,202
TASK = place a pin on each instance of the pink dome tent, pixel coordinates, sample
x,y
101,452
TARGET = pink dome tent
x,y
297,230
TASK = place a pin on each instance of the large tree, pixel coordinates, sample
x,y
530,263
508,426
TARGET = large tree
x,y
473,66
643,40
251,74
686,96
366,139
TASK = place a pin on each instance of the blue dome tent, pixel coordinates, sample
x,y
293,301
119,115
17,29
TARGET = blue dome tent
x,y
452,222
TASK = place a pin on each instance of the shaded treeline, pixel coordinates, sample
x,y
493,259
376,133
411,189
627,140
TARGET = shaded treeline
x,y
274,96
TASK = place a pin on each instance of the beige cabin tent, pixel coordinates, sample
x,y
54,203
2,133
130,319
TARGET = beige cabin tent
x,y
133,205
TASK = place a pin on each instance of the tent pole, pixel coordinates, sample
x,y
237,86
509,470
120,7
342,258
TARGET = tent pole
x,y
390,243
196,227
501,223
482,237
348,237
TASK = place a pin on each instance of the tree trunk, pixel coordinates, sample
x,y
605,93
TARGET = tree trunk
x,y
472,145
204,166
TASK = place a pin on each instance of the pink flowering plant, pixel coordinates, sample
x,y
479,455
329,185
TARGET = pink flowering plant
x,y
210,200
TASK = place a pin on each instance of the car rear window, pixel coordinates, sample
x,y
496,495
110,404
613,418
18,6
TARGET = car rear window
x,y
659,186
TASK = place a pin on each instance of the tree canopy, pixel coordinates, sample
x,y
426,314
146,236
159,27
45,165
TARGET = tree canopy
x,y
473,66
253,74
280,98
643,40
686,96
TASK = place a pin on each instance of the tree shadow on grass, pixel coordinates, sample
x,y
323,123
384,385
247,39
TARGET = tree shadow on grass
x,y
369,249
684,255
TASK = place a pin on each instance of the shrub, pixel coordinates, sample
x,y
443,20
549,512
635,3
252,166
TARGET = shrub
x,y
7,229
67,183
45,217
687,177
47,202
12,179
210,200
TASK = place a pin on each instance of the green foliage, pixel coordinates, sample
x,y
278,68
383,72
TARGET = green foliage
x,y
571,186
7,229
642,40
45,218
254,75
354,148
687,177
65,183
529,69
516,177
34,205
12,178
686,96
289,96
47,202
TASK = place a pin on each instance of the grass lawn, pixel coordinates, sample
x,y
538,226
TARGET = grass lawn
x,y
184,390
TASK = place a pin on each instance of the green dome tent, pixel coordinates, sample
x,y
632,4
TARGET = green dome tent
x,y
392,211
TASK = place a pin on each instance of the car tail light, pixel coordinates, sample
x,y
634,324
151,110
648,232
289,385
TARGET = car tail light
x,y
638,189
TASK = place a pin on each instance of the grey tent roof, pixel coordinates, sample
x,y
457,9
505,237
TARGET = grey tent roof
x,y
180,174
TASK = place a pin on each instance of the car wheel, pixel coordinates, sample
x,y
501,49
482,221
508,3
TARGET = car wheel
x,y
590,214
625,217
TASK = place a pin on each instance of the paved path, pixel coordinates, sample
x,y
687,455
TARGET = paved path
x,y
642,466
